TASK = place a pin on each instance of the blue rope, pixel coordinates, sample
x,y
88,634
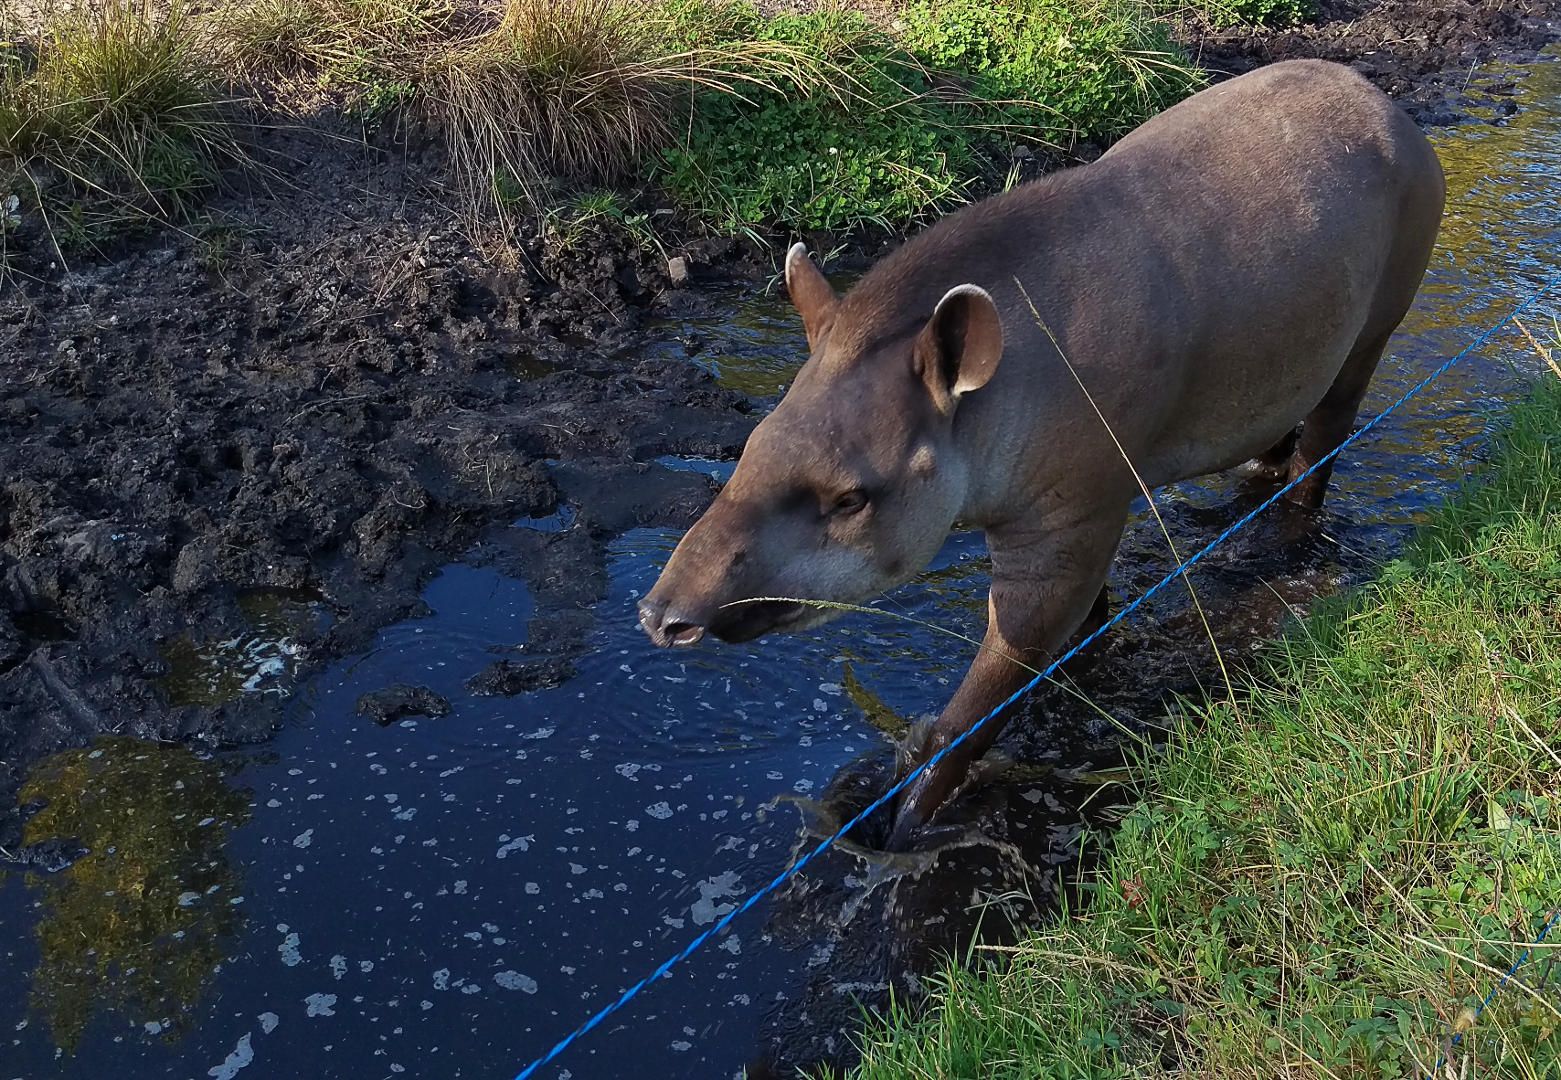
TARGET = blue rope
x,y
796,868
1539,940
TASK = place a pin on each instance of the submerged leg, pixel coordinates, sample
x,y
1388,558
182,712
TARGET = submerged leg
x,y
1330,423
1045,584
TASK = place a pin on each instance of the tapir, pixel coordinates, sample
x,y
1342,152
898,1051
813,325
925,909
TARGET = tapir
x,y
1216,289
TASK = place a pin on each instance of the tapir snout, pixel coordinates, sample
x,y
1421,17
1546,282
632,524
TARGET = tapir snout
x,y
709,586
743,620
831,504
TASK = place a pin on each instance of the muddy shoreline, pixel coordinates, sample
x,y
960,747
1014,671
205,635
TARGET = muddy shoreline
x,y
324,387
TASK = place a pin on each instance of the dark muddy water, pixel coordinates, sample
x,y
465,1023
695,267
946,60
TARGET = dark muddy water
x,y
447,896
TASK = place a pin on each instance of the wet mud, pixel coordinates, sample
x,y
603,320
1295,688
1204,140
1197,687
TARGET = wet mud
x,y
1422,52
179,433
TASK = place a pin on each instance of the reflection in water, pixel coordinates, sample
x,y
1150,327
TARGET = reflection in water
x,y
1488,235
758,349
137,926
253,662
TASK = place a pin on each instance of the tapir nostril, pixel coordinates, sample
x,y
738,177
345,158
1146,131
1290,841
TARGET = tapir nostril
x,y
667,627
682,633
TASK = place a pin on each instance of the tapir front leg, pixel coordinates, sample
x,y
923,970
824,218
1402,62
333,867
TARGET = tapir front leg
x,y
1045,580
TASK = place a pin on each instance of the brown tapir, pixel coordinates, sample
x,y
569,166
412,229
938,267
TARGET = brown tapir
x,y
1231,268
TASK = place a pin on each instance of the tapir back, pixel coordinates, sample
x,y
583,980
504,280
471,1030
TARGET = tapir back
x,y
1207,280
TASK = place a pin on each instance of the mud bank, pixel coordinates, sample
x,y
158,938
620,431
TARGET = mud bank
x,y
1422,52
331,417
325,390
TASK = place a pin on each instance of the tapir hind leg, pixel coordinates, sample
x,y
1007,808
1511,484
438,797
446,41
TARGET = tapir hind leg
x,y
1046,581
1330,423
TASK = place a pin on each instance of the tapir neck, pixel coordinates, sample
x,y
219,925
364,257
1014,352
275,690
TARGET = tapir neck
x,y
998,441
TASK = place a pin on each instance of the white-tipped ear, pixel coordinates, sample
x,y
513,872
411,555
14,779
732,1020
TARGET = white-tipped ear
x,y
960,347
811,294
797,251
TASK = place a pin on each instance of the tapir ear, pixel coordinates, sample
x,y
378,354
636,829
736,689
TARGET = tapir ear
x,y
811,294
960,347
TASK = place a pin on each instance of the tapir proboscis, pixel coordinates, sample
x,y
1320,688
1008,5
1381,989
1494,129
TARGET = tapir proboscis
x,y
1220,285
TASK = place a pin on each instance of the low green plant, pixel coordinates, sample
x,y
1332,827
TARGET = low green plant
x,y
874,147
1332,866
113,109
573,223
920,110
1055,70
1225,13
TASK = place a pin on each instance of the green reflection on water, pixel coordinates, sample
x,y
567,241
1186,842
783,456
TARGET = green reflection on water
x,y
764,347
255,661
1501,187
138,925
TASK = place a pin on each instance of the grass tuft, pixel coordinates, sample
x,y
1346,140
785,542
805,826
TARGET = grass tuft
x,y
1331,868
358,47
581,91
111,113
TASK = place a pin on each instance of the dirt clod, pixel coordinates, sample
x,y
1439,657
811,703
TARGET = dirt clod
x,y
401,701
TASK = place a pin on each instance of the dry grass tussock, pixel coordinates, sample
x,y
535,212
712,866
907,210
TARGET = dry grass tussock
x,y
581,90
336,39
116,107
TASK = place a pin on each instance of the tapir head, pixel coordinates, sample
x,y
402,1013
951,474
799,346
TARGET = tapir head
x,y
851,485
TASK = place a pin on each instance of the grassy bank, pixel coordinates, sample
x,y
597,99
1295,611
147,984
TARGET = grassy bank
x,y
1327,871
825,116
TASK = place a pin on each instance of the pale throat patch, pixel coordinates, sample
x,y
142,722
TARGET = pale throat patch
x,y
923,462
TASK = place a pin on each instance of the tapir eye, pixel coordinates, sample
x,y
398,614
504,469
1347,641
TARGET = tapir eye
x,y
850,503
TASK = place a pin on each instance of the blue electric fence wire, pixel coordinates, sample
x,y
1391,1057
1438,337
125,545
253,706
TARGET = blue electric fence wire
x,y
1539,939
796,867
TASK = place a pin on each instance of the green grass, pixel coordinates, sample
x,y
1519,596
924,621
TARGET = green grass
x,y
110,113
920,112
1328,869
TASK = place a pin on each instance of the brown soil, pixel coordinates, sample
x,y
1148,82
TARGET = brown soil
x,y
326,386
1421,52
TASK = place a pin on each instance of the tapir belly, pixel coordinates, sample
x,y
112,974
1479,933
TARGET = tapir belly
x,y
1243,407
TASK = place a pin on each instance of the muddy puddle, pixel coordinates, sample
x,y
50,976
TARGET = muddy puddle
x,y
447,895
